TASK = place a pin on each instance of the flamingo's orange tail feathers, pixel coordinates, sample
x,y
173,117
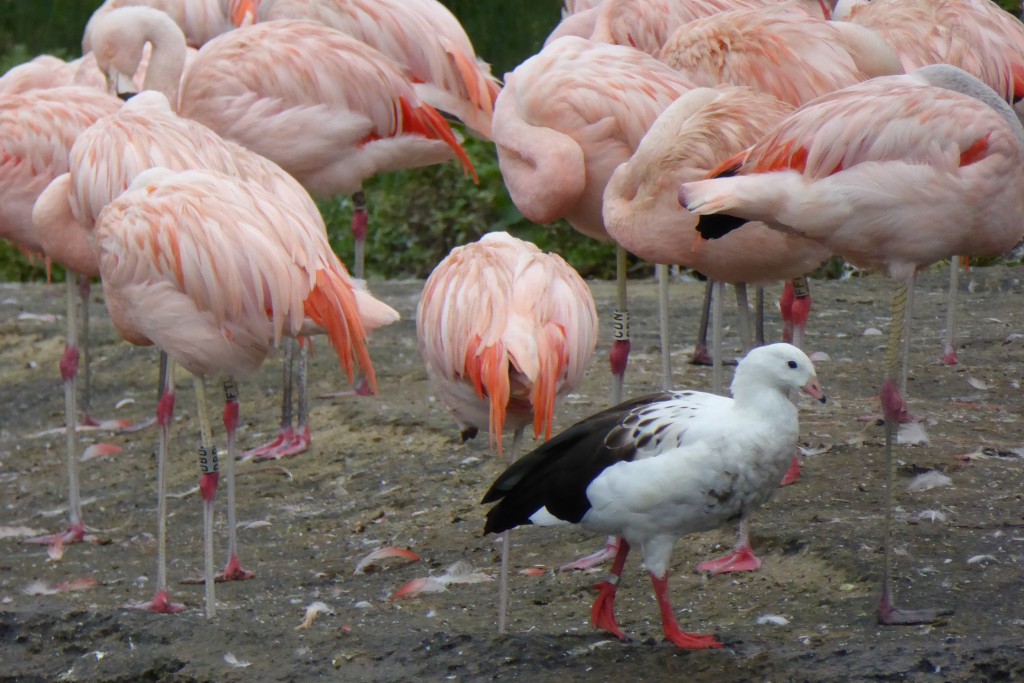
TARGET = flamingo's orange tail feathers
x,y
332,306
428,122
553,360
487,368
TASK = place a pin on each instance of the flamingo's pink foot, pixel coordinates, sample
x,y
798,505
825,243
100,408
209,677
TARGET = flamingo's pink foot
x,y
741,559
894,406
602,614
299,442
949,355
76,533
793,473
362,386
162,604
234,572
286,435
593,560
691,641
701,356
889,615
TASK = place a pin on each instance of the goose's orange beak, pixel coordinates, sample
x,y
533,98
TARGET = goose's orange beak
x,y
813,389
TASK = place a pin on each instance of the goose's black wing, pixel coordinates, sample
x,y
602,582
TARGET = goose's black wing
x,y
556,474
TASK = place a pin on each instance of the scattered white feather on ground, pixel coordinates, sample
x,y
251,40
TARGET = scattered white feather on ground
x,y
312,611
374,558
774,619
912,434
929,480
930,516
459,572
978,383
235,662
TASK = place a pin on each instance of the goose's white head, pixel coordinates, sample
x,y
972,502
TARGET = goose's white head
x,y
782,367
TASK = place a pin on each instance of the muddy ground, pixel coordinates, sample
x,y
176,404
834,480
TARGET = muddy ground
x,y
390,471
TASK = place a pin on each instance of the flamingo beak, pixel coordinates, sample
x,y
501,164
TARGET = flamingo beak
x,y
813,389
121,85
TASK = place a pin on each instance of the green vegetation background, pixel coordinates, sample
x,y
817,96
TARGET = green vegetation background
x,y
417,216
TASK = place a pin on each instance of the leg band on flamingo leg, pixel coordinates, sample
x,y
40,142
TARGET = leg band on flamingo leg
x,y
619,355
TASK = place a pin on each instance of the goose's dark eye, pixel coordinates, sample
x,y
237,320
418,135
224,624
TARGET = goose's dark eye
x,y
792,364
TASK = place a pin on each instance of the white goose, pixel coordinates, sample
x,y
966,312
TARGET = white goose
x,y
658,467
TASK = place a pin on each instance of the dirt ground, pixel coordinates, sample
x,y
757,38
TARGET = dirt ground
x,y
390,471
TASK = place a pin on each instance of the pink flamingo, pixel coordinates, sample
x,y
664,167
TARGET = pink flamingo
x,y
506,332
157,242
37,130
976,35
895,173
144,133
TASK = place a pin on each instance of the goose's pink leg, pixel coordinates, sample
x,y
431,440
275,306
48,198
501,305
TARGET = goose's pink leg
x,y
602,614
793,473
675,635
